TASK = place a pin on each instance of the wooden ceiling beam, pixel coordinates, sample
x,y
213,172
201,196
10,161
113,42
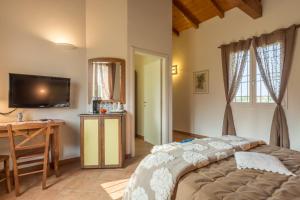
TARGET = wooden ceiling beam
x,y
175,31
253,8
218,9
187,13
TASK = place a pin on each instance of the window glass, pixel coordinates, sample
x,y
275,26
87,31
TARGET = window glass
x,y
272,60
243,92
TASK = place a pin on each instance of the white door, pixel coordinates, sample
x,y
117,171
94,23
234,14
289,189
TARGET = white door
x,y
152,102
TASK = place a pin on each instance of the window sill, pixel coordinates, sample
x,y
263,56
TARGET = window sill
x,y
257,105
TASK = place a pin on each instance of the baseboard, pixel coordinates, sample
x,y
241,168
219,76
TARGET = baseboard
x,y
127,156
140,136
190,134
69,161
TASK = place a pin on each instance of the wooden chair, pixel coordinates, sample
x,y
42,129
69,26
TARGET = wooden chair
x,y
25,149
5,160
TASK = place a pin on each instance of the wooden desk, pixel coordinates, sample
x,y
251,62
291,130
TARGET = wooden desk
x,y
31,125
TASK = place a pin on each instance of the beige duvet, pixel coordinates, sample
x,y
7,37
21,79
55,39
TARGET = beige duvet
x,y
222,180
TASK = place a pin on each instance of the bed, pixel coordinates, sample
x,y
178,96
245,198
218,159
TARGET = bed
x,y
222,180
205,169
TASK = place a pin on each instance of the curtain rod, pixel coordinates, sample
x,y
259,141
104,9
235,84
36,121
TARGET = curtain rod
x,y
297,26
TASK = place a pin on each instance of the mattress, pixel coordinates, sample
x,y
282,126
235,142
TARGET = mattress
x,y
222,180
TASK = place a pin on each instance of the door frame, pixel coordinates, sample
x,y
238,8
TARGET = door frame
x,y
166,96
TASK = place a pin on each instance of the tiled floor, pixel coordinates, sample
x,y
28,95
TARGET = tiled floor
x,y
77,184
74,183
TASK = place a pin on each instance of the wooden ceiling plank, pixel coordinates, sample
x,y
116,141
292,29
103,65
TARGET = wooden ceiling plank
x,y
187,13
253,8
175,31
217,8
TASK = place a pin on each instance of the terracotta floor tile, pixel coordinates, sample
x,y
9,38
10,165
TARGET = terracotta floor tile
x,y
77,184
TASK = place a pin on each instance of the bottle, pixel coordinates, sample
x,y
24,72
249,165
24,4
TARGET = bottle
x,y
110,106
114,106
95,105
119,106
20,117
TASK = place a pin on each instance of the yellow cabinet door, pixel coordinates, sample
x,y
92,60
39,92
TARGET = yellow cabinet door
x,y
91,142
112,142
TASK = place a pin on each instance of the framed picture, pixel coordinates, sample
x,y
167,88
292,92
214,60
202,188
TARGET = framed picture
x,y
201,82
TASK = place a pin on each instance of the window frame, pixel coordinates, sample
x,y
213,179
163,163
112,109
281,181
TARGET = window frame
x,y
250,87
250,83
253,87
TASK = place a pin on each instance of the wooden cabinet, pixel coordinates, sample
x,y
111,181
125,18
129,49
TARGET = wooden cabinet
x,y
102,140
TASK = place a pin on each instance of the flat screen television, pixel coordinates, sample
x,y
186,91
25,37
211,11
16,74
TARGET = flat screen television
x,y
30,91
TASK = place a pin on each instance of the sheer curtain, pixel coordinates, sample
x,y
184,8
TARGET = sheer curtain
x,y
101,81
234,58
272,63
111,79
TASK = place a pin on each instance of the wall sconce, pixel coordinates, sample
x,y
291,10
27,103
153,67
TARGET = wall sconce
x,y
174,70
65,45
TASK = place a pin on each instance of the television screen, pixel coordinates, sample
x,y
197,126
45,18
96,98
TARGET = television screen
x,y
30,91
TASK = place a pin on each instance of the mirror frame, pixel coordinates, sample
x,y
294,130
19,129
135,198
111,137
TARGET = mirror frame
x,y
123,74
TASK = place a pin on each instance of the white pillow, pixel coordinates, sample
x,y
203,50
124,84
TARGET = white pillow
x,y
260,161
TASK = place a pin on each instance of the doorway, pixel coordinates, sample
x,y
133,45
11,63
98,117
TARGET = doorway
x,y
148,97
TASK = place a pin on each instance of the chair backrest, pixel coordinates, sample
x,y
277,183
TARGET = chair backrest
x,y
28,140
29,145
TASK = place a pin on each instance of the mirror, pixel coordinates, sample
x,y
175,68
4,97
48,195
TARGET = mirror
x,y
106,79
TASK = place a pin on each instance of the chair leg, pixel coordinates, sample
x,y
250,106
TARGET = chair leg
x,y
56,152
17,184
49,173
7,174
46,158
45,171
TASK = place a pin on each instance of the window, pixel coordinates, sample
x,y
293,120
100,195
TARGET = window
x,y
243,92
273,52
262,93
252,87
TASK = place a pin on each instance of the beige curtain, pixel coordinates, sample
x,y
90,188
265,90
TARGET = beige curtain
x,y
100,81
93,81
90,83
268,64
111,79
234,58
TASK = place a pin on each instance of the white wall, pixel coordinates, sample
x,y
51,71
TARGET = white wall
x,y
113,26
106,28
150,25
197,50
99,28
106,35
150,29
28,30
